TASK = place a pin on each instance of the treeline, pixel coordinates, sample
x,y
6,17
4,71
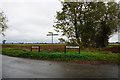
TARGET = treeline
x,y
89,24
29,43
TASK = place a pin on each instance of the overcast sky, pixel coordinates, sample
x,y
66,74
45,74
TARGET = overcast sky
x,y
31,20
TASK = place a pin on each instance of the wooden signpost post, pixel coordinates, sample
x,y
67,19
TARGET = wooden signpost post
x,y
51,34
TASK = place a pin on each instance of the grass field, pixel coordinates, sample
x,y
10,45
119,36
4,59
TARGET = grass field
x,y
23,50
61,56
60,47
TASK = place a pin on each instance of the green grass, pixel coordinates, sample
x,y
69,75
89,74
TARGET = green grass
x,y
114,43
72,55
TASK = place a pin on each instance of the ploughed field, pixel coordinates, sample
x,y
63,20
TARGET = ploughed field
x,y
115,48
46,47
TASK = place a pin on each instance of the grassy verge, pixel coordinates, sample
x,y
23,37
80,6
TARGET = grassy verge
x,y
72,55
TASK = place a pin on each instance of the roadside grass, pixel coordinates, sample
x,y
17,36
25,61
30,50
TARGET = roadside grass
x,y
70,55
114,43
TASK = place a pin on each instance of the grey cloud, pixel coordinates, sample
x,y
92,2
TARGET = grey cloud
x,y
30,20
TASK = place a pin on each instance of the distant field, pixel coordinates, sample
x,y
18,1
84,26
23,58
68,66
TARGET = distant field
x,y
27,47
32,44
46,44
113,47
114,43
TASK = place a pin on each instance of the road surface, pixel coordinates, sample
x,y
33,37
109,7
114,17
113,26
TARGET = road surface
x,y
13,67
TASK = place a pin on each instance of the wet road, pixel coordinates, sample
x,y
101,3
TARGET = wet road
x,y
25,68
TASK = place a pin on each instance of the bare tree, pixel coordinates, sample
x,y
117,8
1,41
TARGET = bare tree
x,y
3,21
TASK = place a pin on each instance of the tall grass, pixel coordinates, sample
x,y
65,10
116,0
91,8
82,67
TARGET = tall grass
x,y
71,55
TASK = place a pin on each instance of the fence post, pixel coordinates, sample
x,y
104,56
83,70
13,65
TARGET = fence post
x,y
79,49
39,49
65,49
31,48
